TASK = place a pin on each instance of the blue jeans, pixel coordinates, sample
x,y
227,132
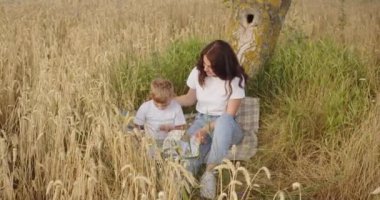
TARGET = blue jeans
x,y
226,133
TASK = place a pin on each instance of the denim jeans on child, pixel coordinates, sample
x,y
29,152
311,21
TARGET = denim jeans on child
x,y
226,133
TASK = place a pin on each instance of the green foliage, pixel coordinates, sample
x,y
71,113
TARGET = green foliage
x,y
174,64
315,98
177,62
317,89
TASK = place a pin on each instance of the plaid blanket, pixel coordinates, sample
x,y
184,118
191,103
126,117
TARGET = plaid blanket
x,y
248,119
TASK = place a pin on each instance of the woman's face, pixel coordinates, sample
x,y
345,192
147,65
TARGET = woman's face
x,y
207,67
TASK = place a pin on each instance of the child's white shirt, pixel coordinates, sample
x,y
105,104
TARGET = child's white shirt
x,y
212,98
149,116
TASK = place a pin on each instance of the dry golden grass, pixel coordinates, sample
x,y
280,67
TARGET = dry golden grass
x,y
60,128
354,23
60,134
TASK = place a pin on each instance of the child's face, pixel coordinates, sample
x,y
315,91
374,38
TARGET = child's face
x,y
161,105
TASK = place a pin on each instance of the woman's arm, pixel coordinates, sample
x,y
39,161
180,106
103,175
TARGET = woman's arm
x,y
233,106
187,99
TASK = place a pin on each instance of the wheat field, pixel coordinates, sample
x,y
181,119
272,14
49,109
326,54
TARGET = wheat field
x,y
60,127
60,124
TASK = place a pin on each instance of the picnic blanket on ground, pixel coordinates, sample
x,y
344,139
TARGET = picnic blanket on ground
x,y
248,119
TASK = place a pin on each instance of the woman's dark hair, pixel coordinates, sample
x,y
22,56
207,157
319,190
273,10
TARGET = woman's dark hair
x,y
224,63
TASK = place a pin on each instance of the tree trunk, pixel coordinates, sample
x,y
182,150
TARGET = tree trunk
x,y
257,25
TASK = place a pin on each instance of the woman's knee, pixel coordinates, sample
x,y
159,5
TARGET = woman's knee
x,y
226,117
227,128
225,122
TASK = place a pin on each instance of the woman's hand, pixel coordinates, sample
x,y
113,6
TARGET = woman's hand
x,y
201,135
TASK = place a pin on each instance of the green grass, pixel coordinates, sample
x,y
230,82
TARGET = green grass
x,y
315,96
174,64
317,88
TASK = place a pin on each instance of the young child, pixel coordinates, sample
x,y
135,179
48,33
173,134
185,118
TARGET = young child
x,y
161,114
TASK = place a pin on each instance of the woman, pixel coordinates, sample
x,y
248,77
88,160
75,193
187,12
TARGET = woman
x,y
216,85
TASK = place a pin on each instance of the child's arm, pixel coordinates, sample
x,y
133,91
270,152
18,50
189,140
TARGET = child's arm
x,y
180,127
180,119
170,127
139,119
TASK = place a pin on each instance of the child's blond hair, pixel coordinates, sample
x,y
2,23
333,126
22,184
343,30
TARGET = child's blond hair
x,y
161,90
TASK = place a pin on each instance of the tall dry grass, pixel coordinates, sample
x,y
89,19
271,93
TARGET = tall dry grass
x,y
60,128
353,23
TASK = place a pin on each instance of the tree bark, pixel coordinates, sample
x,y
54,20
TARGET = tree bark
x,y
257,26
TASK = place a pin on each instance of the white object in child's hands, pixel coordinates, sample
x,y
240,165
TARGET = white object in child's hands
x,y
170,146
191,148
174,146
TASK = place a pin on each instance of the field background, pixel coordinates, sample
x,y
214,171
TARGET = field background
x,y
70,69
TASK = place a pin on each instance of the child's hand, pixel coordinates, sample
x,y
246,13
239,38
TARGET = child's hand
x,y
166,127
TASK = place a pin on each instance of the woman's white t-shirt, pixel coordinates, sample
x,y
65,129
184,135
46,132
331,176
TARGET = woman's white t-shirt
x,y
212,98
